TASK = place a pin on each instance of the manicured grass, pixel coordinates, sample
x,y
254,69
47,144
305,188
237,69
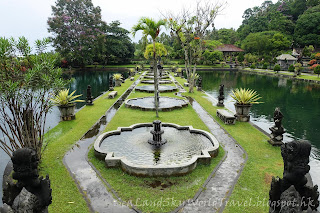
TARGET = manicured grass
x,y
172,190
264,161
65,194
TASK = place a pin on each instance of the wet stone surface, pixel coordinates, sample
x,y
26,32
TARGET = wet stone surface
x,y
161,88
215,194
181,146
152,82
165,103
152,77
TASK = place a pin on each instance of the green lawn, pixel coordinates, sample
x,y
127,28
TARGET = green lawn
x,y
264,161
172,190
65,194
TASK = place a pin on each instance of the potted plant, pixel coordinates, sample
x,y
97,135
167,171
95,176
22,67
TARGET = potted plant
x,y
66,104
118,79
244,99
132,72
179,72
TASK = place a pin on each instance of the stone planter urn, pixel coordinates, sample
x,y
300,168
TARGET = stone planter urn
x,y
242,112
67,113
118,83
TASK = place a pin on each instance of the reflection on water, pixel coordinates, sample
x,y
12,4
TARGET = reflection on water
x,y
180,147
299,102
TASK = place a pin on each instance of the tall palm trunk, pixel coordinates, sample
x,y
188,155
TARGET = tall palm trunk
x,y
155,79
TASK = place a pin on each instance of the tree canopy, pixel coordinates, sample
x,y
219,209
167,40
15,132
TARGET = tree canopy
x,y
82,37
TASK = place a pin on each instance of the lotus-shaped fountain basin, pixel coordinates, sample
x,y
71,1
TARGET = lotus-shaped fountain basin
x,y
128,148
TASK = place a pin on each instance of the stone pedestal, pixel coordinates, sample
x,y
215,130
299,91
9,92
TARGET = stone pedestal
x,y
157,134
276,136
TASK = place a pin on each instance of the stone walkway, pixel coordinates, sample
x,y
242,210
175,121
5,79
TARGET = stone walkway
x,y
211,199
215,194
98,197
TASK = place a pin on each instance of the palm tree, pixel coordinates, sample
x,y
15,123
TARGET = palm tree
x,y
151,28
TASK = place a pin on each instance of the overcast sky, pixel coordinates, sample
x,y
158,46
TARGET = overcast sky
x,y
29,17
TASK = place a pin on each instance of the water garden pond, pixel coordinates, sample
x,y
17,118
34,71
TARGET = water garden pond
x,y
99,81
298,101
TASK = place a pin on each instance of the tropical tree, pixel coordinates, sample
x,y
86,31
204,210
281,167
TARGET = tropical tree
x,y
189,27
160,51
316,70
117,43
307,28
6,47
151,28
75,26
25,94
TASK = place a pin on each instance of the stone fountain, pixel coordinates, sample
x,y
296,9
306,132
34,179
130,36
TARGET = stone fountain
x,y
149,103
172,150
157,134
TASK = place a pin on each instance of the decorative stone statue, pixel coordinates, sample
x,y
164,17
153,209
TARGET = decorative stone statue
x,y
199,84
221,95
89,96
30,193
277,130
296,159
111,83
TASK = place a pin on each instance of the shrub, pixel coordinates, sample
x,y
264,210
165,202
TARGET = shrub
x,y
313,66
291,68
253,66
277,68
312,62
316,70
265,66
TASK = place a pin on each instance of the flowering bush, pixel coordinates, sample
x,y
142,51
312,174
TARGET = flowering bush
x,y
317,56
312,62
314,66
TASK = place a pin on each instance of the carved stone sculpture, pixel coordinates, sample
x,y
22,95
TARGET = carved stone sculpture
x,y
111,83
296,158
30,193
221,95
89,96
277,130
199,84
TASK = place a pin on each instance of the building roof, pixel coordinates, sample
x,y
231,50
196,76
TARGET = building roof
x,y
228,48
286,57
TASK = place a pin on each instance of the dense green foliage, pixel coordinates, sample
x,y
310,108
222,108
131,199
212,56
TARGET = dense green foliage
x,y
298,20
277,68
81,37
26,86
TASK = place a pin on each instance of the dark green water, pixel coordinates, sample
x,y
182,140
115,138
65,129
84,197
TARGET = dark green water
x,y
298,101
98,80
